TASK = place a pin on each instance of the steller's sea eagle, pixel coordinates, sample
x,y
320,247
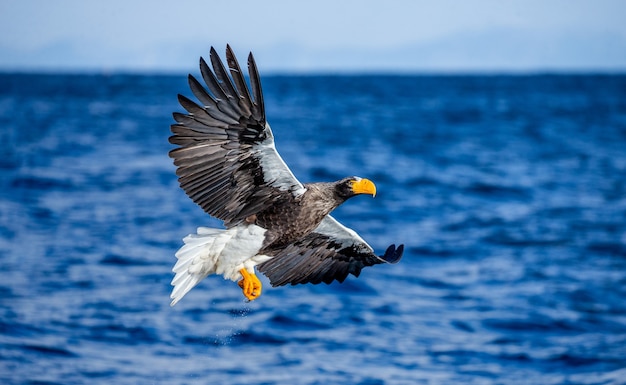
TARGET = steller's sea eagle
x,y
227,163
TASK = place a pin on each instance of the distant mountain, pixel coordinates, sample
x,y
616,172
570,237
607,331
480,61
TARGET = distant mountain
x,y
503,49
492,50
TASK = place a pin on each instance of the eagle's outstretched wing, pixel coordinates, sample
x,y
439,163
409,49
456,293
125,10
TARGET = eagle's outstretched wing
x,y
226,159
330,252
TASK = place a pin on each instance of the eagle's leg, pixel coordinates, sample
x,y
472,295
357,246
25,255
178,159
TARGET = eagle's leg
x,y
250,285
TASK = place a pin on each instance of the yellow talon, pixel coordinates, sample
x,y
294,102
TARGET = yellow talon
x,y
250,285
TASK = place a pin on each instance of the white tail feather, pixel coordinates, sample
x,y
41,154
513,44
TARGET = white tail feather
x,y
194,261
211,251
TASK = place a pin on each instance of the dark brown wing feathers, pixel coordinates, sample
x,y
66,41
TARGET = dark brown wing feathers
x,y
329,253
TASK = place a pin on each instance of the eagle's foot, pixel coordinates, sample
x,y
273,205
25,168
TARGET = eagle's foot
x,y
250,285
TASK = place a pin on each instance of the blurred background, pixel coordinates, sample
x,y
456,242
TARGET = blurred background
x,y
329,36
496,135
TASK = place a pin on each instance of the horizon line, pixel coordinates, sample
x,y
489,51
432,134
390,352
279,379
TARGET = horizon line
x,y
121,71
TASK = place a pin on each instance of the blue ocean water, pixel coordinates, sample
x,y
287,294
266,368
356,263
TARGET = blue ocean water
x,y
509,193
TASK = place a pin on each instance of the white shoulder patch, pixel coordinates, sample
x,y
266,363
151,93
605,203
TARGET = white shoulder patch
x,y
275,171
346,236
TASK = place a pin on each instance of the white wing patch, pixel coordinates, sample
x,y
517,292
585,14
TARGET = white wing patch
x,y
344,235
275,170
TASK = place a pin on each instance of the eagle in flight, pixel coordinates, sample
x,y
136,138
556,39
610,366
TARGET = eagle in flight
x,y
227,163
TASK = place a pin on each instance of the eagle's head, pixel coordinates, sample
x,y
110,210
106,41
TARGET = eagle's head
x,y
354,185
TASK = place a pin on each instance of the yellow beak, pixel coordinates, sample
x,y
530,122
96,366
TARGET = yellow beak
x,y
364,186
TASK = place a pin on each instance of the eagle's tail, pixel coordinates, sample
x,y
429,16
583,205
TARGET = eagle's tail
x,y
214,251
197,258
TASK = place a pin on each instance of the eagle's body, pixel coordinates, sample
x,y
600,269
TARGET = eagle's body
x,y
227,163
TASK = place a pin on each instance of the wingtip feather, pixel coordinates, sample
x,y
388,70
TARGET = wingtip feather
x,y
393,254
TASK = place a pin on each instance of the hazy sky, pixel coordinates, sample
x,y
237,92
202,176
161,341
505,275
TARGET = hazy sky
x,y
321,35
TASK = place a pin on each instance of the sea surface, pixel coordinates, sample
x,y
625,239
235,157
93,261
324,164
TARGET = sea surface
x,y
509,193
